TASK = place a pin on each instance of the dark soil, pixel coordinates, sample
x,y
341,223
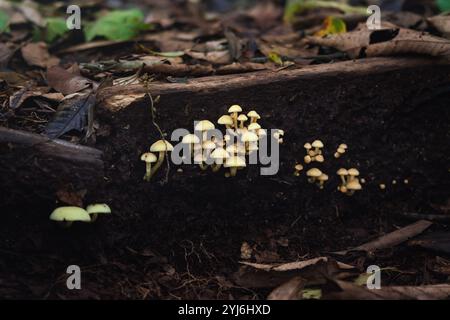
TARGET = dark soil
x,y
182,239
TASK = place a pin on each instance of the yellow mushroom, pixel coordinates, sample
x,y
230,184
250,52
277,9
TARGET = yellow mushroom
x,y
254,116
353,186
161,146
319,158
307,159
298,168
352,173
234,110
234,163
248,137
313,174
342,173
219,155
190,139
148,158
242,118
204,126
226,120
322,178
317,145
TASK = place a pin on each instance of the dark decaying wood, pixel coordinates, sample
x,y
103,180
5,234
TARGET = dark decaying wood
x,y
32,160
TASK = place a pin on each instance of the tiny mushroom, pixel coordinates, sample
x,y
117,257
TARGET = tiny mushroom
x,y
67,215
204,126
353,186
317,145
254,127
219,155
307,159
234,163
248,137
242,118
234,110
352,174
319,158
322,178
161,146
254,116
342,173
382,186
148,158
190,139
308,147
99,208
340,151
298,167
313,174
225,120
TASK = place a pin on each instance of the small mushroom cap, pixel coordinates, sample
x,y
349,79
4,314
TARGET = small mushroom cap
x,y
342,172
98,208
160,146
262,133
341,150
298,167
343,146
242,117
307,146
249,137
225,120
235,108
254,126
253,147
317,144
148,157
190,138
314,172
353,185
307,159
220,153
319,158
253,114
353,172
204,125
323,177
235,162
208,145
70,214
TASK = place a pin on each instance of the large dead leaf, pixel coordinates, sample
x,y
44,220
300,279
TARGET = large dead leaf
x,y
36,54
392,239
66,82
314,271
427,292
385,42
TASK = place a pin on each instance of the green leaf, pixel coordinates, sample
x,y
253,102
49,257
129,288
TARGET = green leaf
x,y
275,57
294,7
310,293
117,25
4,22
55,29
444,5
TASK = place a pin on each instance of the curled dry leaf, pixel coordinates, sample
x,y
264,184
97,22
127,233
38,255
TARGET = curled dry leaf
x,y
385,42
36,54
392,239
66,82
215,57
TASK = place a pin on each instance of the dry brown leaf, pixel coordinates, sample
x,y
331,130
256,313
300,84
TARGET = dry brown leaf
x,y
298,265
385,42
392,239
215,57
71,197
36,54
289,290
427,292
441,23
67,83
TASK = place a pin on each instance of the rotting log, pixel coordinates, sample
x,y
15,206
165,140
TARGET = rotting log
x,y
34,163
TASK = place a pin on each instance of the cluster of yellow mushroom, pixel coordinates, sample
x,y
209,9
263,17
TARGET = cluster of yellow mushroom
x,y
349,181
314,152
243,133
317,176
161,147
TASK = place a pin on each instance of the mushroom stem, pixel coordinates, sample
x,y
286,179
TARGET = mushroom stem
x,y
66,224
148,171
94,217
158,163
216,167
203,166
234,116
343,180
233,171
